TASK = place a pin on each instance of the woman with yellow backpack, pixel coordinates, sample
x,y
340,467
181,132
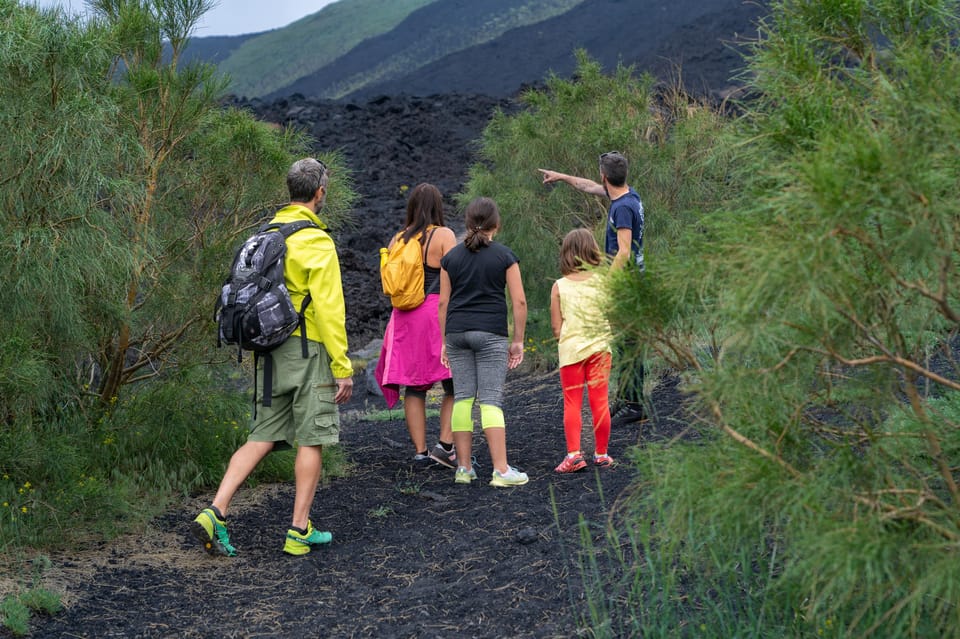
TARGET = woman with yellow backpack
x,y
410,355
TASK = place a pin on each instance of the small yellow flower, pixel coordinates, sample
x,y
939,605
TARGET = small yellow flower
x,y
6,504
23,509
26,485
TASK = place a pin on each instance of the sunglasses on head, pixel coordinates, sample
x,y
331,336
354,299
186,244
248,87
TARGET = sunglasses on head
x,y
609,153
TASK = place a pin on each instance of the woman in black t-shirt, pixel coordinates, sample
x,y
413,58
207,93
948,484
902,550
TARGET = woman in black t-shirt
x,y
477,344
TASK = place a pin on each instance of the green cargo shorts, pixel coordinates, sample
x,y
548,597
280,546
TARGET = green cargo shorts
x,y
302,410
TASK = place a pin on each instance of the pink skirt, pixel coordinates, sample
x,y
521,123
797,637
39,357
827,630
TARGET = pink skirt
x,y
410,355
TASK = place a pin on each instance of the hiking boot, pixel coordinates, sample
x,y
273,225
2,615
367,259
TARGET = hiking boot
x,y
512,477
571,464
297,544
628,413
444,457
603,461
464,476
212,533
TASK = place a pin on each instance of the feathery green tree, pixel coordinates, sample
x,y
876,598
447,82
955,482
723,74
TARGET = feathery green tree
x,y
823,494
802,279
125,187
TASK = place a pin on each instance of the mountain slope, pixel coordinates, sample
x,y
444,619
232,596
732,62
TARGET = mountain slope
x,y
426,35
654,36
358,49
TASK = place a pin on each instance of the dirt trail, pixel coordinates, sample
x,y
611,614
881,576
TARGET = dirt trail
x,y
414,555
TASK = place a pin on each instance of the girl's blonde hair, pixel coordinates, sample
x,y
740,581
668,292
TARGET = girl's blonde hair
x,y
579,251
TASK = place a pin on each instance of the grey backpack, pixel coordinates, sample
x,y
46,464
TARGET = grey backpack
x,y
254,310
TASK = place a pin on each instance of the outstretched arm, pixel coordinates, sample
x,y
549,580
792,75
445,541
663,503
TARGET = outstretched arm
x,y
579,183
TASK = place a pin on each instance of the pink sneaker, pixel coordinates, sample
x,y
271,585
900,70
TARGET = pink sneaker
x,y
604,461
571,464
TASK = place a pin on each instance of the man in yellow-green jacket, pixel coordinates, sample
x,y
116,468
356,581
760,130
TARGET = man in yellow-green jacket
x,y
302,408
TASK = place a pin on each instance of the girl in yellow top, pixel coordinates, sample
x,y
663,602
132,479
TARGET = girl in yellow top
x,y
579,324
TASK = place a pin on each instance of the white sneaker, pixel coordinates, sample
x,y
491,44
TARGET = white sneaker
x,y
512,477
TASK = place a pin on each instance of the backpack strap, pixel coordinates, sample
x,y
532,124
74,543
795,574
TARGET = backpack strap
x,y
427,247
267,380
287,229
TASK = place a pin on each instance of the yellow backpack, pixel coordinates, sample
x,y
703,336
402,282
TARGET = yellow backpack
x,y
401,270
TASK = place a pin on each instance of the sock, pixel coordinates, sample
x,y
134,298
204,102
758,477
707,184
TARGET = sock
x,y
424,452
302,531
447,447
575,453
217,513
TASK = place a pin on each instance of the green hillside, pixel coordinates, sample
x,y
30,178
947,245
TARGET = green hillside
x,y
275,59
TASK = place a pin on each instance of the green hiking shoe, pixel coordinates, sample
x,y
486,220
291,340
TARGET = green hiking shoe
x,y
297,544
212,533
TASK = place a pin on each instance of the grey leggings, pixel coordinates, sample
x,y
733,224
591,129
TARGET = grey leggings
x,y
478,362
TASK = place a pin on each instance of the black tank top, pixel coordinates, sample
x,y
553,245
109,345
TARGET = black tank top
x,y
431,280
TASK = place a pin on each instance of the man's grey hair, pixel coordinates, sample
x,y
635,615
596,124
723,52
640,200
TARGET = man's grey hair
x,y
614,166
304,178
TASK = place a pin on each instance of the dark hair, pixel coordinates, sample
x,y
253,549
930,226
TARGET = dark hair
x,y
613,166
304,178
481,217
579,250
424,207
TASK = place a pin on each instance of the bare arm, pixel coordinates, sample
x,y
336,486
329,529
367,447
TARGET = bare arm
x,y
442,241
624,240
519,303
556,316
579,183
442,314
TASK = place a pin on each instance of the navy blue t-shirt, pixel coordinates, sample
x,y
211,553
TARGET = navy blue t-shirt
x,y
626,212
477,298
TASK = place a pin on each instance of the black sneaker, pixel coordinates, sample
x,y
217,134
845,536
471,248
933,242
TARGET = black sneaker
x,y
421,460
628,414
444,457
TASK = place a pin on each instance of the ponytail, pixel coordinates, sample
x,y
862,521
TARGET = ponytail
x,y
482,216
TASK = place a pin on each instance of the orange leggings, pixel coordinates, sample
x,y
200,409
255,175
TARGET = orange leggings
x,y
595,373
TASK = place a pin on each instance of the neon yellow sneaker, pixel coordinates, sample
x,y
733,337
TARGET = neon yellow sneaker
x,y
464,476
211,531
297,544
